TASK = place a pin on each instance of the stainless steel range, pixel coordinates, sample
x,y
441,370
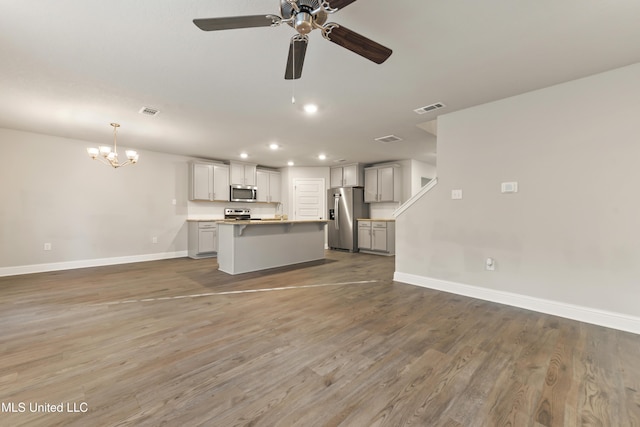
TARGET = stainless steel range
x,y
237,213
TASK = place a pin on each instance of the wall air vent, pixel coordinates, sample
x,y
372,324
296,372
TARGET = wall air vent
x,y
388,139
429,108
148,111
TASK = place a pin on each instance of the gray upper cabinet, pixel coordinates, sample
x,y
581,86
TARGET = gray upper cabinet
x,y
221,182
243,173
347,176
200,181
268,183
208,181
382,184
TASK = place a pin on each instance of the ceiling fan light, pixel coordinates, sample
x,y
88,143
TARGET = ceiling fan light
x,y
303,23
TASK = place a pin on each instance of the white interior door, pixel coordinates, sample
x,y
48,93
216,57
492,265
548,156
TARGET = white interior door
x,y
309,198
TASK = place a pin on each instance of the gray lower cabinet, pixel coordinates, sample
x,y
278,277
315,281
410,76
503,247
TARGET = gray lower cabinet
x,y
377,237
203,239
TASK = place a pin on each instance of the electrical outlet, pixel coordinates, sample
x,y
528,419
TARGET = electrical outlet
x,y
509,187
490,264
173,202
456,194
47,246
154,239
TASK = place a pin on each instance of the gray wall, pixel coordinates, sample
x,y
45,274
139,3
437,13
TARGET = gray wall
x,y
51,191
571,234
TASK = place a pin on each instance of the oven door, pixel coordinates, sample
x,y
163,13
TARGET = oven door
x,y
243,193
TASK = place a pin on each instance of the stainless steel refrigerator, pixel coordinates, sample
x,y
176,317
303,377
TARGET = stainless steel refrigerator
x,y
346,205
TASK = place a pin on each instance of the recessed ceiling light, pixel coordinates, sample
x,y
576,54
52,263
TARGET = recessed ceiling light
x,y
322,157
310,108
244,155
274,146
290,163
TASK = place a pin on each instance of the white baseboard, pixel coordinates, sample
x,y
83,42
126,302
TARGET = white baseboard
x,y
604,318
69,265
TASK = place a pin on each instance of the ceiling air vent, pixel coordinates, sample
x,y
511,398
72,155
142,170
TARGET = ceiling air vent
x,y
429,108
388,139
148,111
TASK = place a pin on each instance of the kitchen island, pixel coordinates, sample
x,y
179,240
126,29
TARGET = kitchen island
x,y
249,245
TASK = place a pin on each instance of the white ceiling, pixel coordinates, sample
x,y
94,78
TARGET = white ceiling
x,y
70,67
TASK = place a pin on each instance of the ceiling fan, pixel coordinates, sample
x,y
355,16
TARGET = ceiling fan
x,y
304,16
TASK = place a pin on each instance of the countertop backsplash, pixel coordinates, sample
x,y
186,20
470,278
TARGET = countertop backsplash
x,y
382,210
215,210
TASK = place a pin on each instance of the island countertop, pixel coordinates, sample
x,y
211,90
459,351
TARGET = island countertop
x,y
270,221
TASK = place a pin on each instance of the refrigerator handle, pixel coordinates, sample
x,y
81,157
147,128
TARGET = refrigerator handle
x,y
336,207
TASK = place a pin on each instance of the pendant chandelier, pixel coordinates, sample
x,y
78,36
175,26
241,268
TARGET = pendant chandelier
x,y
110,157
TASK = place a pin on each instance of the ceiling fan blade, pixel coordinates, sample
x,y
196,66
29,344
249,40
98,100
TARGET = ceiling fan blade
x,y
356,43
232,22
295,61
339,4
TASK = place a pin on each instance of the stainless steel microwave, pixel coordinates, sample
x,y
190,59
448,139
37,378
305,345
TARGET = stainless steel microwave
x,y
243,193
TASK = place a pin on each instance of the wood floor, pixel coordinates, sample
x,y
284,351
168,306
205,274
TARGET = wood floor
x,y
336,343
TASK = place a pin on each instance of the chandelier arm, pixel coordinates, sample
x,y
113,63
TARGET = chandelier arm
x,y
115,139
104,161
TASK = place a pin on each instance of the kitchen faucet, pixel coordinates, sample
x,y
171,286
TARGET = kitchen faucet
x,y
279,208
